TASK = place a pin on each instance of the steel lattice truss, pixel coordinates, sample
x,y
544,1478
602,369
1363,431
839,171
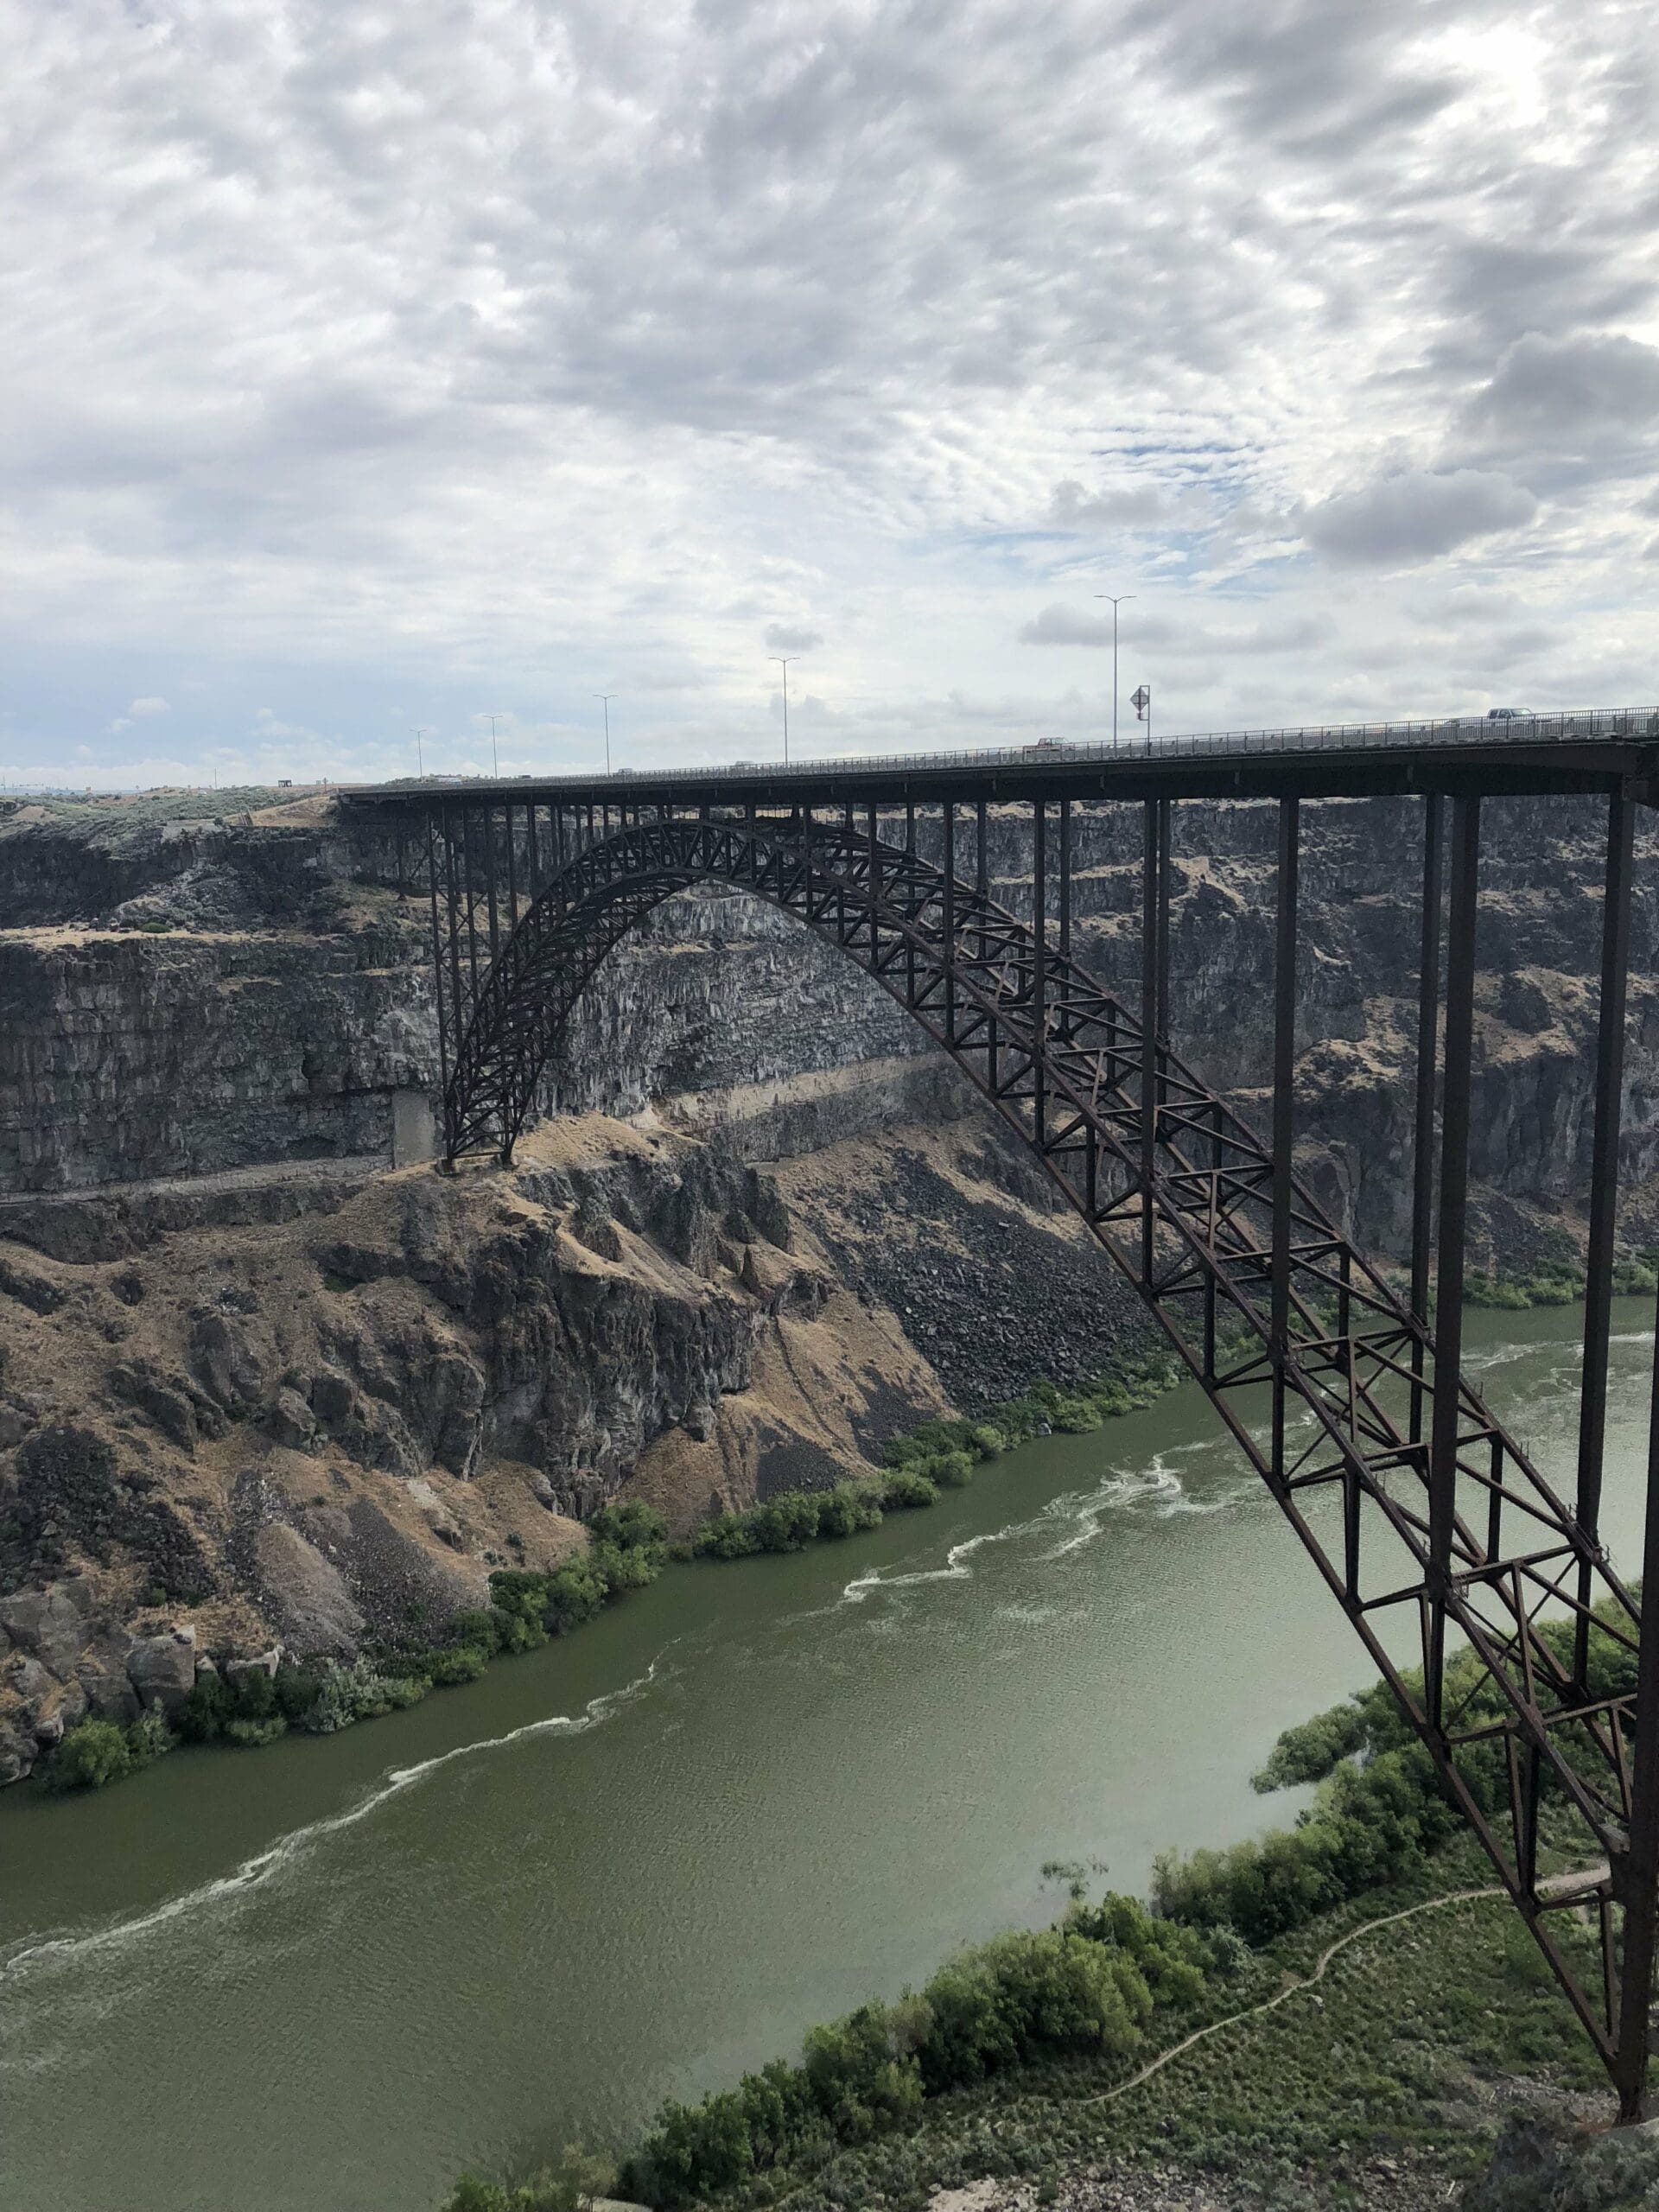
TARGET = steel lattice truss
x,y
1323,1377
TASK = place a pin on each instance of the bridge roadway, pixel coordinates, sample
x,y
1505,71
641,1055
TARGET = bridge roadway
x,y
1596,749
1336,1382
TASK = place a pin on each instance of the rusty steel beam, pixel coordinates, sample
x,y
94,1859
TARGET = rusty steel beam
x,y
1284,1107
1454,1227
1422,1163
1604,1171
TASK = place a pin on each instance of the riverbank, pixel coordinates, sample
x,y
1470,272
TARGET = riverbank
x,y
1376,2059
1111,1994
1034,2057
250,1707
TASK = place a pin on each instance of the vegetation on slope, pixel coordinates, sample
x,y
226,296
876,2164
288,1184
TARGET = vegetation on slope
x,y
1111,1983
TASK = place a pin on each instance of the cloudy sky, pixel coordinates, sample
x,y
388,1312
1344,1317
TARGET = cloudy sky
x,y
375,367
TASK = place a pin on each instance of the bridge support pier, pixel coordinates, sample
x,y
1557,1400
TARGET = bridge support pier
x,y
1640,1882
1284,1112
1604,1186
1454,1209
1423,1164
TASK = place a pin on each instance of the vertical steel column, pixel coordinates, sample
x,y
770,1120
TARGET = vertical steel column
x,y
910,949
872,872
437,956
456,1002
1453,1224
1066,879
1604,1187
1149,1026
1039,959
1284,1110
467,835
1635,1879
513,872
981,875
535,851
558,837
1165,878
1428,1016
489,878
949,918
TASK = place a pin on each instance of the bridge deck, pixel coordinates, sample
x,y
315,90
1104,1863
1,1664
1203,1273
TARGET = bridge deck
x,y
1598,749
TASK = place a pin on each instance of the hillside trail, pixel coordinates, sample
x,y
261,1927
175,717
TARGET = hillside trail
x,y
1554,1884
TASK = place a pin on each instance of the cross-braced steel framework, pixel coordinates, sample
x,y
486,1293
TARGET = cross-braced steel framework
x,y
1347,1397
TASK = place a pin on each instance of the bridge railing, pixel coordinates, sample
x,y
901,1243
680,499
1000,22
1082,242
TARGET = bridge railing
x,y
1592,724
1589,725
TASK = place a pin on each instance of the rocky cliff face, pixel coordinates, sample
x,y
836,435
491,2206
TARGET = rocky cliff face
x,y
285,1008
220,1438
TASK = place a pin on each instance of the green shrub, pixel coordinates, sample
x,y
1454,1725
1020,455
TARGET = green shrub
x,y
847,1509
950,1470
906,1488
728,1535
296,1693
569,2187
149,1738
92,1753
1308,1752
455,1663
1090,1985
202,1716
788,1521
632,1527
251,1734
360,1691
1077,1416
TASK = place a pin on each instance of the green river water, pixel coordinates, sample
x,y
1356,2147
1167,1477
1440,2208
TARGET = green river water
x,y
326,1976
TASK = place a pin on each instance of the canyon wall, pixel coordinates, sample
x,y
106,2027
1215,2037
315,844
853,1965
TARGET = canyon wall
x,y
186,996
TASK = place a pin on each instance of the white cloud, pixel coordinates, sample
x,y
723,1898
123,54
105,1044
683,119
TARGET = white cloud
x,y
514,353
1415,515
146,707
787,637
1066,625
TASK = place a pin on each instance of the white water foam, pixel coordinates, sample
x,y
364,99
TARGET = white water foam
x,y
1158,1487
955,1567
287,1849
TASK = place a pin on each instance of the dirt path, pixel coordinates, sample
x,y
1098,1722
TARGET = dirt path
x,y
1291,1989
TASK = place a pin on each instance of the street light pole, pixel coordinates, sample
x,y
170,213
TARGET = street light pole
x,y
607,696
495,758
420,761
1121,600
783,659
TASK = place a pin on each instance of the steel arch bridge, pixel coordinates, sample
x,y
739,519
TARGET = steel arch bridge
x,y
1348,1398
